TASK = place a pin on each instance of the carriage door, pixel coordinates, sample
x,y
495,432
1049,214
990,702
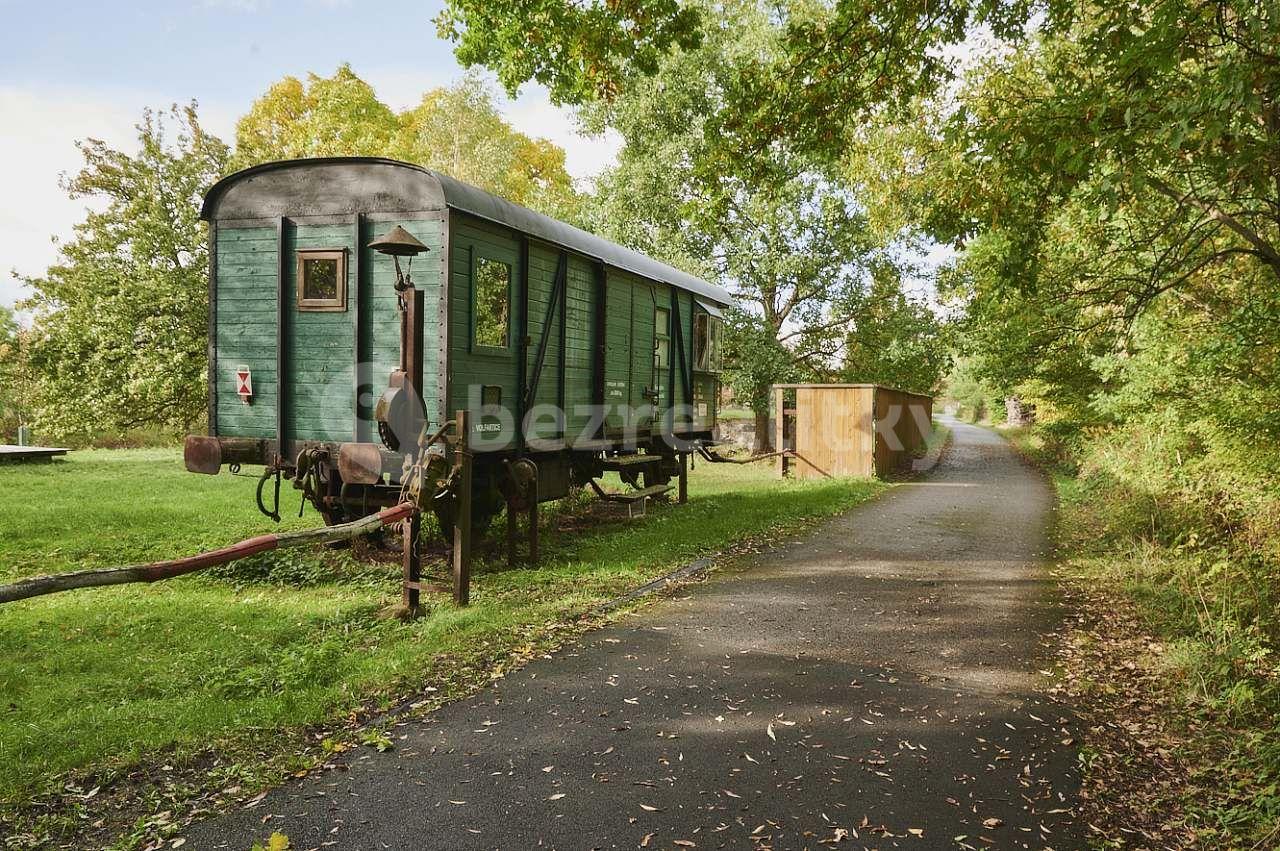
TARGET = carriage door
x,y
644,390
485,293
318,362
617,356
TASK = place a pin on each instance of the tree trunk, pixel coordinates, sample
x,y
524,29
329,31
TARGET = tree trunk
x,y
1018,412
763,440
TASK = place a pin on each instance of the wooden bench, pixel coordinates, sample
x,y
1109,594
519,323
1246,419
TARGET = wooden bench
x,y
9,452
632,499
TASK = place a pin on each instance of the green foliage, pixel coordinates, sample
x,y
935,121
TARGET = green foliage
x,y
1113,184
326,117
457,130
120,321
1189,530
578,51
14,380
792,244
895,340
831,65
756,360
974,398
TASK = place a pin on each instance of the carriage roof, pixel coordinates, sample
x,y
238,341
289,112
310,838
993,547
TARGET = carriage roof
x,y
347,185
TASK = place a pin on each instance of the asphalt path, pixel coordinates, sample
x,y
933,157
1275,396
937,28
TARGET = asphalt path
x,y
873,684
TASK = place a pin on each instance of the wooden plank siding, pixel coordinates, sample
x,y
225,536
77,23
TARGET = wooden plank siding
x,y
580,355
619,306
380,312
319,346
835,429
543,262
245,329
834,434
321,349
470,369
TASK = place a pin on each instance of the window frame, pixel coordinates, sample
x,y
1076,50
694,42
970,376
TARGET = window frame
x,y
710,360
337,304
661,334
492,257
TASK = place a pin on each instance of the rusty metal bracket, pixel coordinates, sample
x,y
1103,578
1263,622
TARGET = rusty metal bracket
x,y
274,514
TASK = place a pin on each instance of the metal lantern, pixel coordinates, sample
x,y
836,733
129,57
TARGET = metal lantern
x,y
398,243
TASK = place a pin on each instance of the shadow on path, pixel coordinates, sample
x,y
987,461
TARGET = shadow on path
x,y
875,679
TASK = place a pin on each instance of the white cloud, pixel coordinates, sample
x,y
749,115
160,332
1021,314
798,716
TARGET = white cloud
x,y
38,147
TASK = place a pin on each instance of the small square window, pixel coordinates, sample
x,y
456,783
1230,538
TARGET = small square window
x,y
492,309
322,280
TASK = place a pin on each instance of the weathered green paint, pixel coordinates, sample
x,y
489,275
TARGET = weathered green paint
x,y
246,329
320,352
471,367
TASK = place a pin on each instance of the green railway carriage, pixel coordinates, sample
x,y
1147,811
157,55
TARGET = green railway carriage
x,y
569,354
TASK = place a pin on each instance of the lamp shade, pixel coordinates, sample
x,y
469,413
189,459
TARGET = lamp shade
x,y
398,242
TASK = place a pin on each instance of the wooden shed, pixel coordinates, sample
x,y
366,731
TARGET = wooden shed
x,y
848,429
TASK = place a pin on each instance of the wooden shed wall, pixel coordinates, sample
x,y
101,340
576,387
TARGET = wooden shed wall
x,y
833,432
902,413
835,429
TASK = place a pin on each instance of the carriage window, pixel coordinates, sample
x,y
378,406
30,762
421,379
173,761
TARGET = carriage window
x,y
661,340
491,316
322,280
706,342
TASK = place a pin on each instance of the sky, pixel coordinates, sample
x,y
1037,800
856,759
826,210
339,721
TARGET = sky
x,y
88,69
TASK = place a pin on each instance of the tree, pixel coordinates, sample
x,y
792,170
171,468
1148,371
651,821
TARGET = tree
x,y
458,130
14,378
792,246
834,65
579,51
325,117
120,321
1115,187
893,339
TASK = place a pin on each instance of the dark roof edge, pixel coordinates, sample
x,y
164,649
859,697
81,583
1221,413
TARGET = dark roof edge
x,y
485,205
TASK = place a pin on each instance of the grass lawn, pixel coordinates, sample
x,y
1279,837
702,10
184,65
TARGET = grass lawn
x,y
96,683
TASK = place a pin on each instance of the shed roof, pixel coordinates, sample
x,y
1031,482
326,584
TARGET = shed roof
x,y
400,186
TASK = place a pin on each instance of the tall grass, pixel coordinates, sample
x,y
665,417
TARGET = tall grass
x,y
1186,524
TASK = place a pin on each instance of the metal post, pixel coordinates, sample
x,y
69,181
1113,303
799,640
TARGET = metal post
x,y
411,527
533,520
462,523
512,525
684,477
779,429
